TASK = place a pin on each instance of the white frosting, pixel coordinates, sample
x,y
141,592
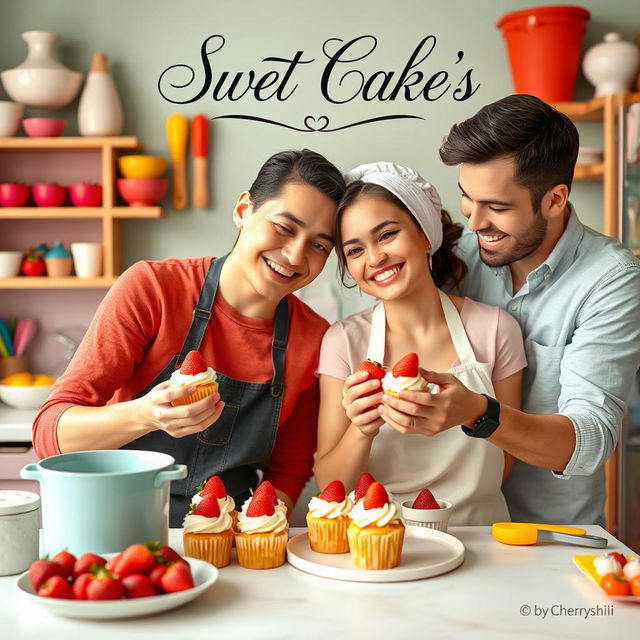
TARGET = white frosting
x,y
194,523
403,383
226,504
319,508
274,523
606,564
184,380
632,568
378,516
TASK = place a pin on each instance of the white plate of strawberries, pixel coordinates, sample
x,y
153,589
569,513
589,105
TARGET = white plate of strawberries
x,y
138,581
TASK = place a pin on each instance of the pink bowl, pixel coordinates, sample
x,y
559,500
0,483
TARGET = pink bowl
x,y
49,195
85,195
142,192
43,127
14,195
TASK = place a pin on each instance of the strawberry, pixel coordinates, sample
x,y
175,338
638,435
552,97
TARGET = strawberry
x,y
56,587
376,496
41,570
177,577
165,554
376,372
112,562
208,507
192,364
136,558
137,585
425,500
104,586
619,557
214,486
79,586
333,492
364,482
261,505
84,563
406,367
155,575
67,560
267,488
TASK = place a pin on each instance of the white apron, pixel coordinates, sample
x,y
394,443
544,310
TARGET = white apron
x,y
465,471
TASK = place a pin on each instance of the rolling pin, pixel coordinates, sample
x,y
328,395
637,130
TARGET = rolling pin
x,y
177,130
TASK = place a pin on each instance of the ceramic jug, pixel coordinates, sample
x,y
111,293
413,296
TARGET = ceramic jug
x,y
611,65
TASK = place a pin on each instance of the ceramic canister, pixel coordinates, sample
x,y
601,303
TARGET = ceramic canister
x,y
19,530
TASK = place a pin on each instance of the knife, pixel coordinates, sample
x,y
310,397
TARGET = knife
x,y
524,533
199,148
177,130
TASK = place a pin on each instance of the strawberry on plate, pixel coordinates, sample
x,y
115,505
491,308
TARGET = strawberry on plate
x,y
86,561
104,586
406,367
56,587
41,570
138,585
136,558
177,577
67,560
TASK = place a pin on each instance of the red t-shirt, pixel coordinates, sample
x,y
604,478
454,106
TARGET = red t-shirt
x,y
143,321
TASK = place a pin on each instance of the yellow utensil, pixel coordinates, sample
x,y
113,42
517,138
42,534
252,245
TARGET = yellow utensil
x,y
523,533
177,130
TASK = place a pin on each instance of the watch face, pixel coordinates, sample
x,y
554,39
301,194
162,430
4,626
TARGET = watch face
x,y
486,427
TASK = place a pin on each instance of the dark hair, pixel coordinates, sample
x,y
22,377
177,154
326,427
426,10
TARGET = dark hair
x,y
447,267
301,167
543,142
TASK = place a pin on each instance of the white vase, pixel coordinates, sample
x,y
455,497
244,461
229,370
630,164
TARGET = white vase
x,y
100,110
611,66
41,81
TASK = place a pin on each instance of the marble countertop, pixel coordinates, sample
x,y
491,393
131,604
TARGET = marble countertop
x,y
15,424
499,591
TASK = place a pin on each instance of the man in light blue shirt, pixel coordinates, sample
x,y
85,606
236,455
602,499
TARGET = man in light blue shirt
x,y
576,295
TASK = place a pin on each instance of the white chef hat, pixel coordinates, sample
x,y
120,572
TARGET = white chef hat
x,y
420,197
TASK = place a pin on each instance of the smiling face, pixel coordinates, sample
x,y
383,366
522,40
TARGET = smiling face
x,y
284,244
385,251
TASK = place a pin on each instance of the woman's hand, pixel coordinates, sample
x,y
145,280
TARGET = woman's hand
x,y
159,414
360,397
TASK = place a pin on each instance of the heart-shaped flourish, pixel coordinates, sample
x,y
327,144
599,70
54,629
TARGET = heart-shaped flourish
x,y
316,124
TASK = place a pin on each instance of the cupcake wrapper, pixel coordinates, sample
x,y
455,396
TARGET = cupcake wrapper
x,y
214,548
261,550
379,549
328,535
200,393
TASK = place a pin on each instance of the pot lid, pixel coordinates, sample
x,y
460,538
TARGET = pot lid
x,y
13,502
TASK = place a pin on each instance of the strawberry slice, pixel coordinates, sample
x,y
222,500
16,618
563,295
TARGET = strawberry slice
x,y
376,496
425,500
261,505
268,488
192,364
208,507
214,486
364,482
333,492
406,367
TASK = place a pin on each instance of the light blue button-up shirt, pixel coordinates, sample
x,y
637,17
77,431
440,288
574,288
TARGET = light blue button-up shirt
x,y
580,316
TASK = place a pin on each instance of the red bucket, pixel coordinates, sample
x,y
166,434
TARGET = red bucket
x,y
544,45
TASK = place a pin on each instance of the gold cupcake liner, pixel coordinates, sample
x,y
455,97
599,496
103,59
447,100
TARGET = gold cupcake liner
x,y
214,548
328,535
261,550
376,547
200,393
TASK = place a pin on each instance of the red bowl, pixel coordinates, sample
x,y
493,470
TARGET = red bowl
x,y
49,195
43,127
85,195
14,195
142,192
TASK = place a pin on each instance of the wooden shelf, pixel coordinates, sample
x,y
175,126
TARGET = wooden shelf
x,y
46,282
589,172
590,111
13,213
69,142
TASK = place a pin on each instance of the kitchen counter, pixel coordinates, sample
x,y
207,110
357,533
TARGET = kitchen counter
x,y
15,424
486,597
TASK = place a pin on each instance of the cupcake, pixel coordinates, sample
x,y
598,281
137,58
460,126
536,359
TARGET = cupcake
x,y
328,519
364,482
214,486
406,376
426,511
376,532
194,373
208,532
261,540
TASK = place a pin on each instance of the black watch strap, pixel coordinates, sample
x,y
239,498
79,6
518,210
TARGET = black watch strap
x,y
487,423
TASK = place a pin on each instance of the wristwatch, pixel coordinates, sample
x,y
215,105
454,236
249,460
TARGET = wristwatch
x,y
488,422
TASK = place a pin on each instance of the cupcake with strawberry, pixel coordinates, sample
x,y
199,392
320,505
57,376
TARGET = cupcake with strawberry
x,y
405,376
193,373
214,486
376,532
208,532
328,519
263,531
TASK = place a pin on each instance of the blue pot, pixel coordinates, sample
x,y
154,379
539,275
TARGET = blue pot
x,y
103,501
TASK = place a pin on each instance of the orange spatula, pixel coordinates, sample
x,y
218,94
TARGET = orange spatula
x,y
524,533
177,130
200,150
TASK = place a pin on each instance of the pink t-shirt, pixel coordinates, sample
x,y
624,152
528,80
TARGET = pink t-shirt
x,y
495,338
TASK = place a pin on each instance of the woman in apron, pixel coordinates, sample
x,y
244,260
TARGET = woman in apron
x,y
397,244
238,311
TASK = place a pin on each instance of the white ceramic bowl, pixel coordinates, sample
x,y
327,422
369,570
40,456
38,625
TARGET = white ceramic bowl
x,y
430,518
10,263
24,397
10,118
42,88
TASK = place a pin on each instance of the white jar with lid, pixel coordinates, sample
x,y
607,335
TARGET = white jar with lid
x,y
19,530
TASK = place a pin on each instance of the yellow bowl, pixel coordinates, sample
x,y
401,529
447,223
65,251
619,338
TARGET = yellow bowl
x,y
142,166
